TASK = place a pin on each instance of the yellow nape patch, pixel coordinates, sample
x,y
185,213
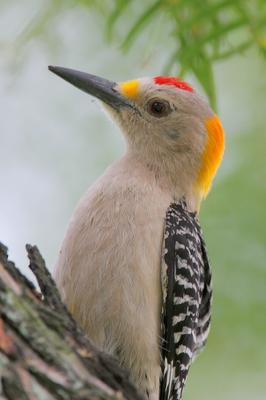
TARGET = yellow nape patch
x,y
212,155
130,88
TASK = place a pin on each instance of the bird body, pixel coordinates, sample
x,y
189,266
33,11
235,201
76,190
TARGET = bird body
x,y
133,246
115,239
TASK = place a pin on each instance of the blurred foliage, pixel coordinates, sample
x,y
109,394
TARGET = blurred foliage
x,y
203,32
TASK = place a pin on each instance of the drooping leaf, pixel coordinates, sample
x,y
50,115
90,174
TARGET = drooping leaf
x,y
140,24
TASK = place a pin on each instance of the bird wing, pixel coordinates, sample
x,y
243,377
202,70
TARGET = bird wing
x,y
186,298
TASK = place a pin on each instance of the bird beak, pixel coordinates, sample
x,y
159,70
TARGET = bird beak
x,y
98,87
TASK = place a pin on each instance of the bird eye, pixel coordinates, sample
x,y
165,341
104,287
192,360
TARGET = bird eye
x,y
158,108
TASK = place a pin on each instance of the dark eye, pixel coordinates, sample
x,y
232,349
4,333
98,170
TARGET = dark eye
x,y
158,107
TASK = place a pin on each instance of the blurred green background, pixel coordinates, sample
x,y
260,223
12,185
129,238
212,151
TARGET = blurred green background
x,y
55,142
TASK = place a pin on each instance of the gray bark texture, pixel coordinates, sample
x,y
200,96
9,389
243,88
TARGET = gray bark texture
x,y
44,354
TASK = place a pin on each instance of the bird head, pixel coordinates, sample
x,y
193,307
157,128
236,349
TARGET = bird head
x,y
167,125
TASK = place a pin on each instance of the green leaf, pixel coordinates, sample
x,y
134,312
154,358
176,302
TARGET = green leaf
x,y
118,10
233,51
203,71
140,24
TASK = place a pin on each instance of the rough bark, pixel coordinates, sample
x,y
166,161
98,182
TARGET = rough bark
x,y
44,354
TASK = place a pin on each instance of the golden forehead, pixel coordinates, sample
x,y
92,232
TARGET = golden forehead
x,y
130,88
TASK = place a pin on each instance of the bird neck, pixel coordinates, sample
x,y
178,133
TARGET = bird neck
x,y
175,176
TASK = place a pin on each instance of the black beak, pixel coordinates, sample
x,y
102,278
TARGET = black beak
x,y
94,85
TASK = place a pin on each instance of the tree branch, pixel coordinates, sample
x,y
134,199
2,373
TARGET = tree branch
x,y
44,354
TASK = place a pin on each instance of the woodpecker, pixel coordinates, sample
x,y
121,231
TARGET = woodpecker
x,y
133,268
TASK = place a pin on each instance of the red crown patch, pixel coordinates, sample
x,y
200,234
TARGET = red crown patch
x,y
173,81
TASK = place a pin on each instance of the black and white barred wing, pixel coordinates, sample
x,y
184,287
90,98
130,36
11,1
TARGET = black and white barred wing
x,y
186,291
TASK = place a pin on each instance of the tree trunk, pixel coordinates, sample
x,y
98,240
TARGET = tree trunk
x,y
44,354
